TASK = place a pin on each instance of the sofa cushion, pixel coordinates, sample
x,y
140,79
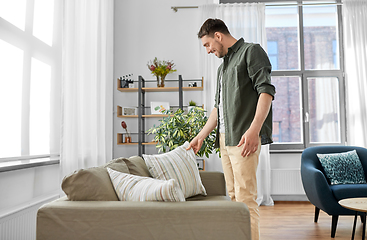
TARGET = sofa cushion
x,y
342,191
178,164
135,188
93,184
342,168
137,166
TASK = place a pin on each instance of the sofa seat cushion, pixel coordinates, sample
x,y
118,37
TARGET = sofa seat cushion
x,y
76,220
208,198
343,191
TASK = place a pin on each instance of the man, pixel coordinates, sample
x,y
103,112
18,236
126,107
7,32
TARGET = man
x,y
242,112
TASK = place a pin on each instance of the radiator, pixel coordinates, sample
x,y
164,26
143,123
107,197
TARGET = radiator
x,y
286,182
20,224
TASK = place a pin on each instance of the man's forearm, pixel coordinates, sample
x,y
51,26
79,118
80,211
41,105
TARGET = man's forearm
x,y
210,124
262,111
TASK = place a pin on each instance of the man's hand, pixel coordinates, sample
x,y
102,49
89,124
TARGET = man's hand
x,y
195,144
250,139
250,142
210,125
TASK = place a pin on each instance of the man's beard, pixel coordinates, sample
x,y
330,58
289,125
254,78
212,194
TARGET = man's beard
x,y
220,50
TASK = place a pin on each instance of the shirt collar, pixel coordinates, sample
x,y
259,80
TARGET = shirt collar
x,y
236,46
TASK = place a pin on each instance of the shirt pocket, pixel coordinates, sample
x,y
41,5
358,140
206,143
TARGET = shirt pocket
x,y
239,77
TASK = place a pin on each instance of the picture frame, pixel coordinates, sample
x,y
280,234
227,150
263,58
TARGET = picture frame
x,y
200,164
159,107
129,111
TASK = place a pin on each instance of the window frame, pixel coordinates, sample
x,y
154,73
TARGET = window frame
x,y
33,47
304,75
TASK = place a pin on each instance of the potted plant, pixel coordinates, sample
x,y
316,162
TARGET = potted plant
x,y
192,104
179,127
160,69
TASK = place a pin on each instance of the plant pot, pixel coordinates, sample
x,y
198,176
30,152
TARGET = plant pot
x,y
189,108
160,81
127,139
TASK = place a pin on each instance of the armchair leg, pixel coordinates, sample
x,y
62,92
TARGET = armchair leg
x,y
363,218
334,223
317,212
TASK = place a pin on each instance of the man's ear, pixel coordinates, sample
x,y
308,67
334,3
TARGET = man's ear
x,y
218,36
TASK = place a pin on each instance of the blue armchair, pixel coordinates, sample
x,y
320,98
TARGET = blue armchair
x,y
317,186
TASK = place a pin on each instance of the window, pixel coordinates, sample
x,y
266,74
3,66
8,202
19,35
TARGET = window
x,y
30,65
273,54
304,49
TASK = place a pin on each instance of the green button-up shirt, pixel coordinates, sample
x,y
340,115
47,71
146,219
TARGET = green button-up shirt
x,y
245,75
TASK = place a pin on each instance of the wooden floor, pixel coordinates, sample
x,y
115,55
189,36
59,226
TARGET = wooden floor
x,y
295,221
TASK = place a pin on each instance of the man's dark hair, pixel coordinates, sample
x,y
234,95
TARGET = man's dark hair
x,y
210,26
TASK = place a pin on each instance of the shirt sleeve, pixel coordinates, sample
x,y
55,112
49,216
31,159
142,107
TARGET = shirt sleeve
x,y
259,70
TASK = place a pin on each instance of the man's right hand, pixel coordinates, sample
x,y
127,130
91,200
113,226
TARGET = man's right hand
x,y
195,144
210,125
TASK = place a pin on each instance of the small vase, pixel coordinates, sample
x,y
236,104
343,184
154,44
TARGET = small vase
x,y
127,139
189,108
160,81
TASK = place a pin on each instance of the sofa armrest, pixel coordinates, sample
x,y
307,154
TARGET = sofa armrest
x,y
214,183
81,220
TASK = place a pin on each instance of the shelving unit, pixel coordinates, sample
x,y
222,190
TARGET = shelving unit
x,y
141,90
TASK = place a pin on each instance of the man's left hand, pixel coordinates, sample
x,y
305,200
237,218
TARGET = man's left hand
x,y
250,142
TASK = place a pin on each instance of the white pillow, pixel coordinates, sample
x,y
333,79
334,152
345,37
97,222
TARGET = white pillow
x,y
180,165
136,188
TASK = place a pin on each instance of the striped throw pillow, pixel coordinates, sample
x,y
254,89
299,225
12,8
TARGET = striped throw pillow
x,y
180,165
130,187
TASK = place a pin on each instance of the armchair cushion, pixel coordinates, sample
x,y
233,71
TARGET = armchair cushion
x,y
342,168
342,191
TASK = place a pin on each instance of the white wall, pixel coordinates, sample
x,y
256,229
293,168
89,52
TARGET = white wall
x,y
20,187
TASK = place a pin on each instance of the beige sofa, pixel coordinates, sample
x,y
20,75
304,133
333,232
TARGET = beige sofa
x,y
200,217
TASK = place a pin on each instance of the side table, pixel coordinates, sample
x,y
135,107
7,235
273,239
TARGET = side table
x,y
360,206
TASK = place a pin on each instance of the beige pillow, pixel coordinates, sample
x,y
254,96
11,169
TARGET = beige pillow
x,y
136,188
137,166
180,165
93,184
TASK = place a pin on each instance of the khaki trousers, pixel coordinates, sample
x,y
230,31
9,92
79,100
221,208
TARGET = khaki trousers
x,y
240,176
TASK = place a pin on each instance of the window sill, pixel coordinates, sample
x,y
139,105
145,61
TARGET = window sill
x,y
286,151
30,163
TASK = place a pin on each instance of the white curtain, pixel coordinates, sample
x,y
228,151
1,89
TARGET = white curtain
x,y
245,20
87,96
355,40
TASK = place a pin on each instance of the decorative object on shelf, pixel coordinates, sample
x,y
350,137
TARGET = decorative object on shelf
x,y
160,69
201,164
128,111
192,104
193,84
175,129
128,137
159,107
125,81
